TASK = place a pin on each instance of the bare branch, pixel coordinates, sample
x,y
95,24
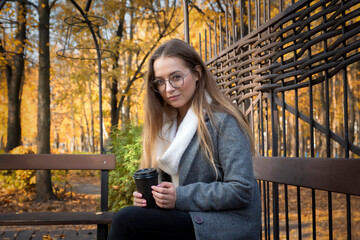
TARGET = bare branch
x,y
52,4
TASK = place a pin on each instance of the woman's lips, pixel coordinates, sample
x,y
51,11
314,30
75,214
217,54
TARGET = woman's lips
x,y
173,98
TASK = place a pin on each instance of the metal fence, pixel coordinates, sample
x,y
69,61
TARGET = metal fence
x,y
294,70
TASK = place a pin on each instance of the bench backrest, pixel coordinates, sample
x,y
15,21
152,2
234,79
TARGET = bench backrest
x,y
341,175
57,161
103,162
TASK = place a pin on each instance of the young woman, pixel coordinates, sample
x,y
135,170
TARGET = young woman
x,y
194,134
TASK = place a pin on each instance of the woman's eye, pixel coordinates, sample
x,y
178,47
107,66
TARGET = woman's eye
x,y
176,77
159,82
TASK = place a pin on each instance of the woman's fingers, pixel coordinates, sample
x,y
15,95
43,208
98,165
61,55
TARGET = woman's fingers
x,y
164,195
138,200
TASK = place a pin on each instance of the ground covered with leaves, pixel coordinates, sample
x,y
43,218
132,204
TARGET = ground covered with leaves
x,y
81,194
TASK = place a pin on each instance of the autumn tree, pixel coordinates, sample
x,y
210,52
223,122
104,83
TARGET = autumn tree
x,y
152,21
44,190
14,69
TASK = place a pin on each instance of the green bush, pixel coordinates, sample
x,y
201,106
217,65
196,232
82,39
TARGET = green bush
x,y
126,144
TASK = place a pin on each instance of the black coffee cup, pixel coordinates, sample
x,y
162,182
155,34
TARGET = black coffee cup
x,y
144,179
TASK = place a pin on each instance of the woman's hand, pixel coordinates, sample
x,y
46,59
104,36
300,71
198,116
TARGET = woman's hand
x,y
138,200
164,195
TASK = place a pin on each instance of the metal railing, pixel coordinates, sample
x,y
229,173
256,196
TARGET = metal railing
x,y
293,68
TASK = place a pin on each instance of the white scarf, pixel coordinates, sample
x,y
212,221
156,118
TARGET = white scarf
x,y
174,143
171,148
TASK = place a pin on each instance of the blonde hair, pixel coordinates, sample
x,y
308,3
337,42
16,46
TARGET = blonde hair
x,y
156,108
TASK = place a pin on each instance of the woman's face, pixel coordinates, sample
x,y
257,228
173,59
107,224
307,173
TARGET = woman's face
x,y
175,68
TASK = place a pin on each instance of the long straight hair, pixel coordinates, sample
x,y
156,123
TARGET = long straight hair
x,y
156,108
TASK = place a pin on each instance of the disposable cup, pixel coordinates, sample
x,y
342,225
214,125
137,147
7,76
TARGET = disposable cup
x,y
144,179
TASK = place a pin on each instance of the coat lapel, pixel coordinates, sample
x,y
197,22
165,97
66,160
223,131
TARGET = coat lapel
x,y
188,159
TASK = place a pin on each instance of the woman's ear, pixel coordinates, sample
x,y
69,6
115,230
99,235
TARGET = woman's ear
x,y
198,71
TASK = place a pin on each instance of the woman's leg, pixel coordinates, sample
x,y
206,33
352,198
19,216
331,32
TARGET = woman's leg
x,y
151,223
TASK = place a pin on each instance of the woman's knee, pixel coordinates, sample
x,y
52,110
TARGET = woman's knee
x,y
126,215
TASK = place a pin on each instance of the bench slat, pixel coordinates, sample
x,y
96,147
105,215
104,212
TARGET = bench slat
x,y
24,235
55,218
57,161
331,174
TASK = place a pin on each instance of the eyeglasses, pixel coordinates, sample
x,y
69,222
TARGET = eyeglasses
x,y
176,81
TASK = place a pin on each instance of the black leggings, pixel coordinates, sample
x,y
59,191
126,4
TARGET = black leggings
x,y
151,223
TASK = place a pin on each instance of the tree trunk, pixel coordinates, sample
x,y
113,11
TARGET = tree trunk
x,y
14,83
114,85
44,190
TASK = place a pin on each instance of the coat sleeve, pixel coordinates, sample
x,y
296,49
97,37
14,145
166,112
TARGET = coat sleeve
x,y
235,190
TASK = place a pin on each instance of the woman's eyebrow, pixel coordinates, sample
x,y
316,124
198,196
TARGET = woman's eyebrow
x,y
172,73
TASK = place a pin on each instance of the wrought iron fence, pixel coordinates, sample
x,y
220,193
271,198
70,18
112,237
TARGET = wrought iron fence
x,y
296,76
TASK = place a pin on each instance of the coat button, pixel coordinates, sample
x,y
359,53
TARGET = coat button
x,y
198,220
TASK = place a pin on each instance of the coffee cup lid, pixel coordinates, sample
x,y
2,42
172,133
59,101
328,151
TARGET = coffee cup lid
x,y
145,173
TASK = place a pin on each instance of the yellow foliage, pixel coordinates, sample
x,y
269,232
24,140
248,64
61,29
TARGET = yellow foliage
x,y
22,150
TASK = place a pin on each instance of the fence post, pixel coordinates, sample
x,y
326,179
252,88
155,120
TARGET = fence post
x,y
186,21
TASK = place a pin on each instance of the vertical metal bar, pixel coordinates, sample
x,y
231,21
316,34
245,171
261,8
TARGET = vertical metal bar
x,y
284,151
104,190
221,36
268,9
200,45
259,109
283,117
260,190
327,124
206,55
249,16
327,97
331,236
264,12
312,150
312,142
268,210
241,19
267,126
346,130
274,125
265,210
348,216
287,227
227,36
299,211
313,204
297,139
346,136
262,125
215,42
280,6
102,228
233,19
186,21
210,43
257,13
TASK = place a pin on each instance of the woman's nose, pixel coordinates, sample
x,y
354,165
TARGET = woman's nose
x,y
168,87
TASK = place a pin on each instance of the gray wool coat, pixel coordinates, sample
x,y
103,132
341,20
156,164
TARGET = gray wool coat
x,y
226,206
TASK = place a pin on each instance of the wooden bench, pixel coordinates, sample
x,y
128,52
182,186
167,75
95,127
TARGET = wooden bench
x,y
340,175
103,162
334,175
